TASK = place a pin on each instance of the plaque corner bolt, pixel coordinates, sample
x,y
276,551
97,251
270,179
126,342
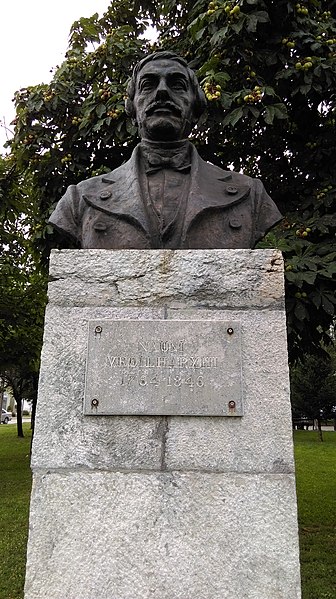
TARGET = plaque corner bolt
x,y
232,407
230,331
94,403
98,330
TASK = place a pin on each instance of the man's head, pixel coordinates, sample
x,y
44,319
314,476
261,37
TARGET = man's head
x,y
164,97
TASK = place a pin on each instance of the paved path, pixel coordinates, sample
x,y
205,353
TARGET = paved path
x,y
24,419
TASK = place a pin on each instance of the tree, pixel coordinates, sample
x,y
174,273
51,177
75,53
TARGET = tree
x,y
21,338
268,71
271,67
313,387
22,297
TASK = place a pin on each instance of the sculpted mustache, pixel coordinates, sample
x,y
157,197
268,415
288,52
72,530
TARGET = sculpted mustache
x,y
175,109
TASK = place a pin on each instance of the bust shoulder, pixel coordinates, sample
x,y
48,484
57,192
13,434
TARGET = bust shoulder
x,y
217,172
91,185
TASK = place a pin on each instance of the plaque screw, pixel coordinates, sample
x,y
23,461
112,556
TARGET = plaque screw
x,y
230,331
232,406
94,403
98,330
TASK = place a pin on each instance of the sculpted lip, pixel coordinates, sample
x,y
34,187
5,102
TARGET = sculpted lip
x,y
163,108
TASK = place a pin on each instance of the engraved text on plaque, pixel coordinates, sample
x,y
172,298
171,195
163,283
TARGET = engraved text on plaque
x,y
164,367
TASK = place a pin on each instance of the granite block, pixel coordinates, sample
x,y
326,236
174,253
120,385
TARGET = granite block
x,y
252,278
163,536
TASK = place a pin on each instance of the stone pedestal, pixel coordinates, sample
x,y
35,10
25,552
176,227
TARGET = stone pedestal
x,y
164,507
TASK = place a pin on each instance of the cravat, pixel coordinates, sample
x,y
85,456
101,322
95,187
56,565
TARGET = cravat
x,y
158,158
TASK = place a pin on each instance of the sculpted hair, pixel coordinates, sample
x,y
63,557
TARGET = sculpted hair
x,y
199,97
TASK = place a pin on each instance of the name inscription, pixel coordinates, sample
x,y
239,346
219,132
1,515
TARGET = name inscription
x,y
163,367
193,362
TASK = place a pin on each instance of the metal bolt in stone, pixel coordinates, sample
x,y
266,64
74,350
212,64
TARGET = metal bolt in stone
x,y
98,330
95,403
230,331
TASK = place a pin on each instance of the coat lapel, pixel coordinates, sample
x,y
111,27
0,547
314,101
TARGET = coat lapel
x,y
211,188
120,195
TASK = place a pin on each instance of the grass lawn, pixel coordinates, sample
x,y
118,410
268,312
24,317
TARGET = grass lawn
x,y
15,484
316,486
316,489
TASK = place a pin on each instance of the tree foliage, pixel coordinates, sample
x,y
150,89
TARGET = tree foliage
x,y
313,387
268,69
22,293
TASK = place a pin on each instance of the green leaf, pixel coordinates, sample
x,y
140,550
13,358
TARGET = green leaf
x,y
199,34
269,115
98,125
233,117
262,16
255,111
237,27
309,277
280,111
252,23
329,273
327,306
89,27
130,128
222,77
256,114
300,311
100,110
292,277
315,296
304,89
269,91
193,28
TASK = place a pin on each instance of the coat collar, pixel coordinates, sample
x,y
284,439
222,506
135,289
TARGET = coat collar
x,y
211,188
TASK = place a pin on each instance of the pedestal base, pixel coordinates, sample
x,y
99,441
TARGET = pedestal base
x,y
164,507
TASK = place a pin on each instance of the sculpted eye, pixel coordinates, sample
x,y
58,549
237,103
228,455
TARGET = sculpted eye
x,y
147,84
178,83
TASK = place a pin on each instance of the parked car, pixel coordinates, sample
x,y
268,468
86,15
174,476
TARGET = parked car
x,y
5,416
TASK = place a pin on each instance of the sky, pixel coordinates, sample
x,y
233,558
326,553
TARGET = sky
x,y
33,40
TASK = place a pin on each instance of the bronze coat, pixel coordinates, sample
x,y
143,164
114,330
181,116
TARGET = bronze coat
x,y
224,209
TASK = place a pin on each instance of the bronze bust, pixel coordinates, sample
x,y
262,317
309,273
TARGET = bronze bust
x,y
166,196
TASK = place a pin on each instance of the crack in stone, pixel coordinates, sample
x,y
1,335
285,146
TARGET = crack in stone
x,y
164,425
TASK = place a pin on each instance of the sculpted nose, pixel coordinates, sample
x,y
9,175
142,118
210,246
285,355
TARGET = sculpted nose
x,y
162,91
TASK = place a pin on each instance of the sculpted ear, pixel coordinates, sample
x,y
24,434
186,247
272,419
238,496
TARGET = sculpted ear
x,y
129,105
129,108
200,104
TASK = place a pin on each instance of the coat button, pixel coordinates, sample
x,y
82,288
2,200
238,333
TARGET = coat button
x,y
100,226
235,223
232,190
105,195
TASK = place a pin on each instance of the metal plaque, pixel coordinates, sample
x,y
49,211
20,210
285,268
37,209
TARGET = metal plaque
x,y
164,367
